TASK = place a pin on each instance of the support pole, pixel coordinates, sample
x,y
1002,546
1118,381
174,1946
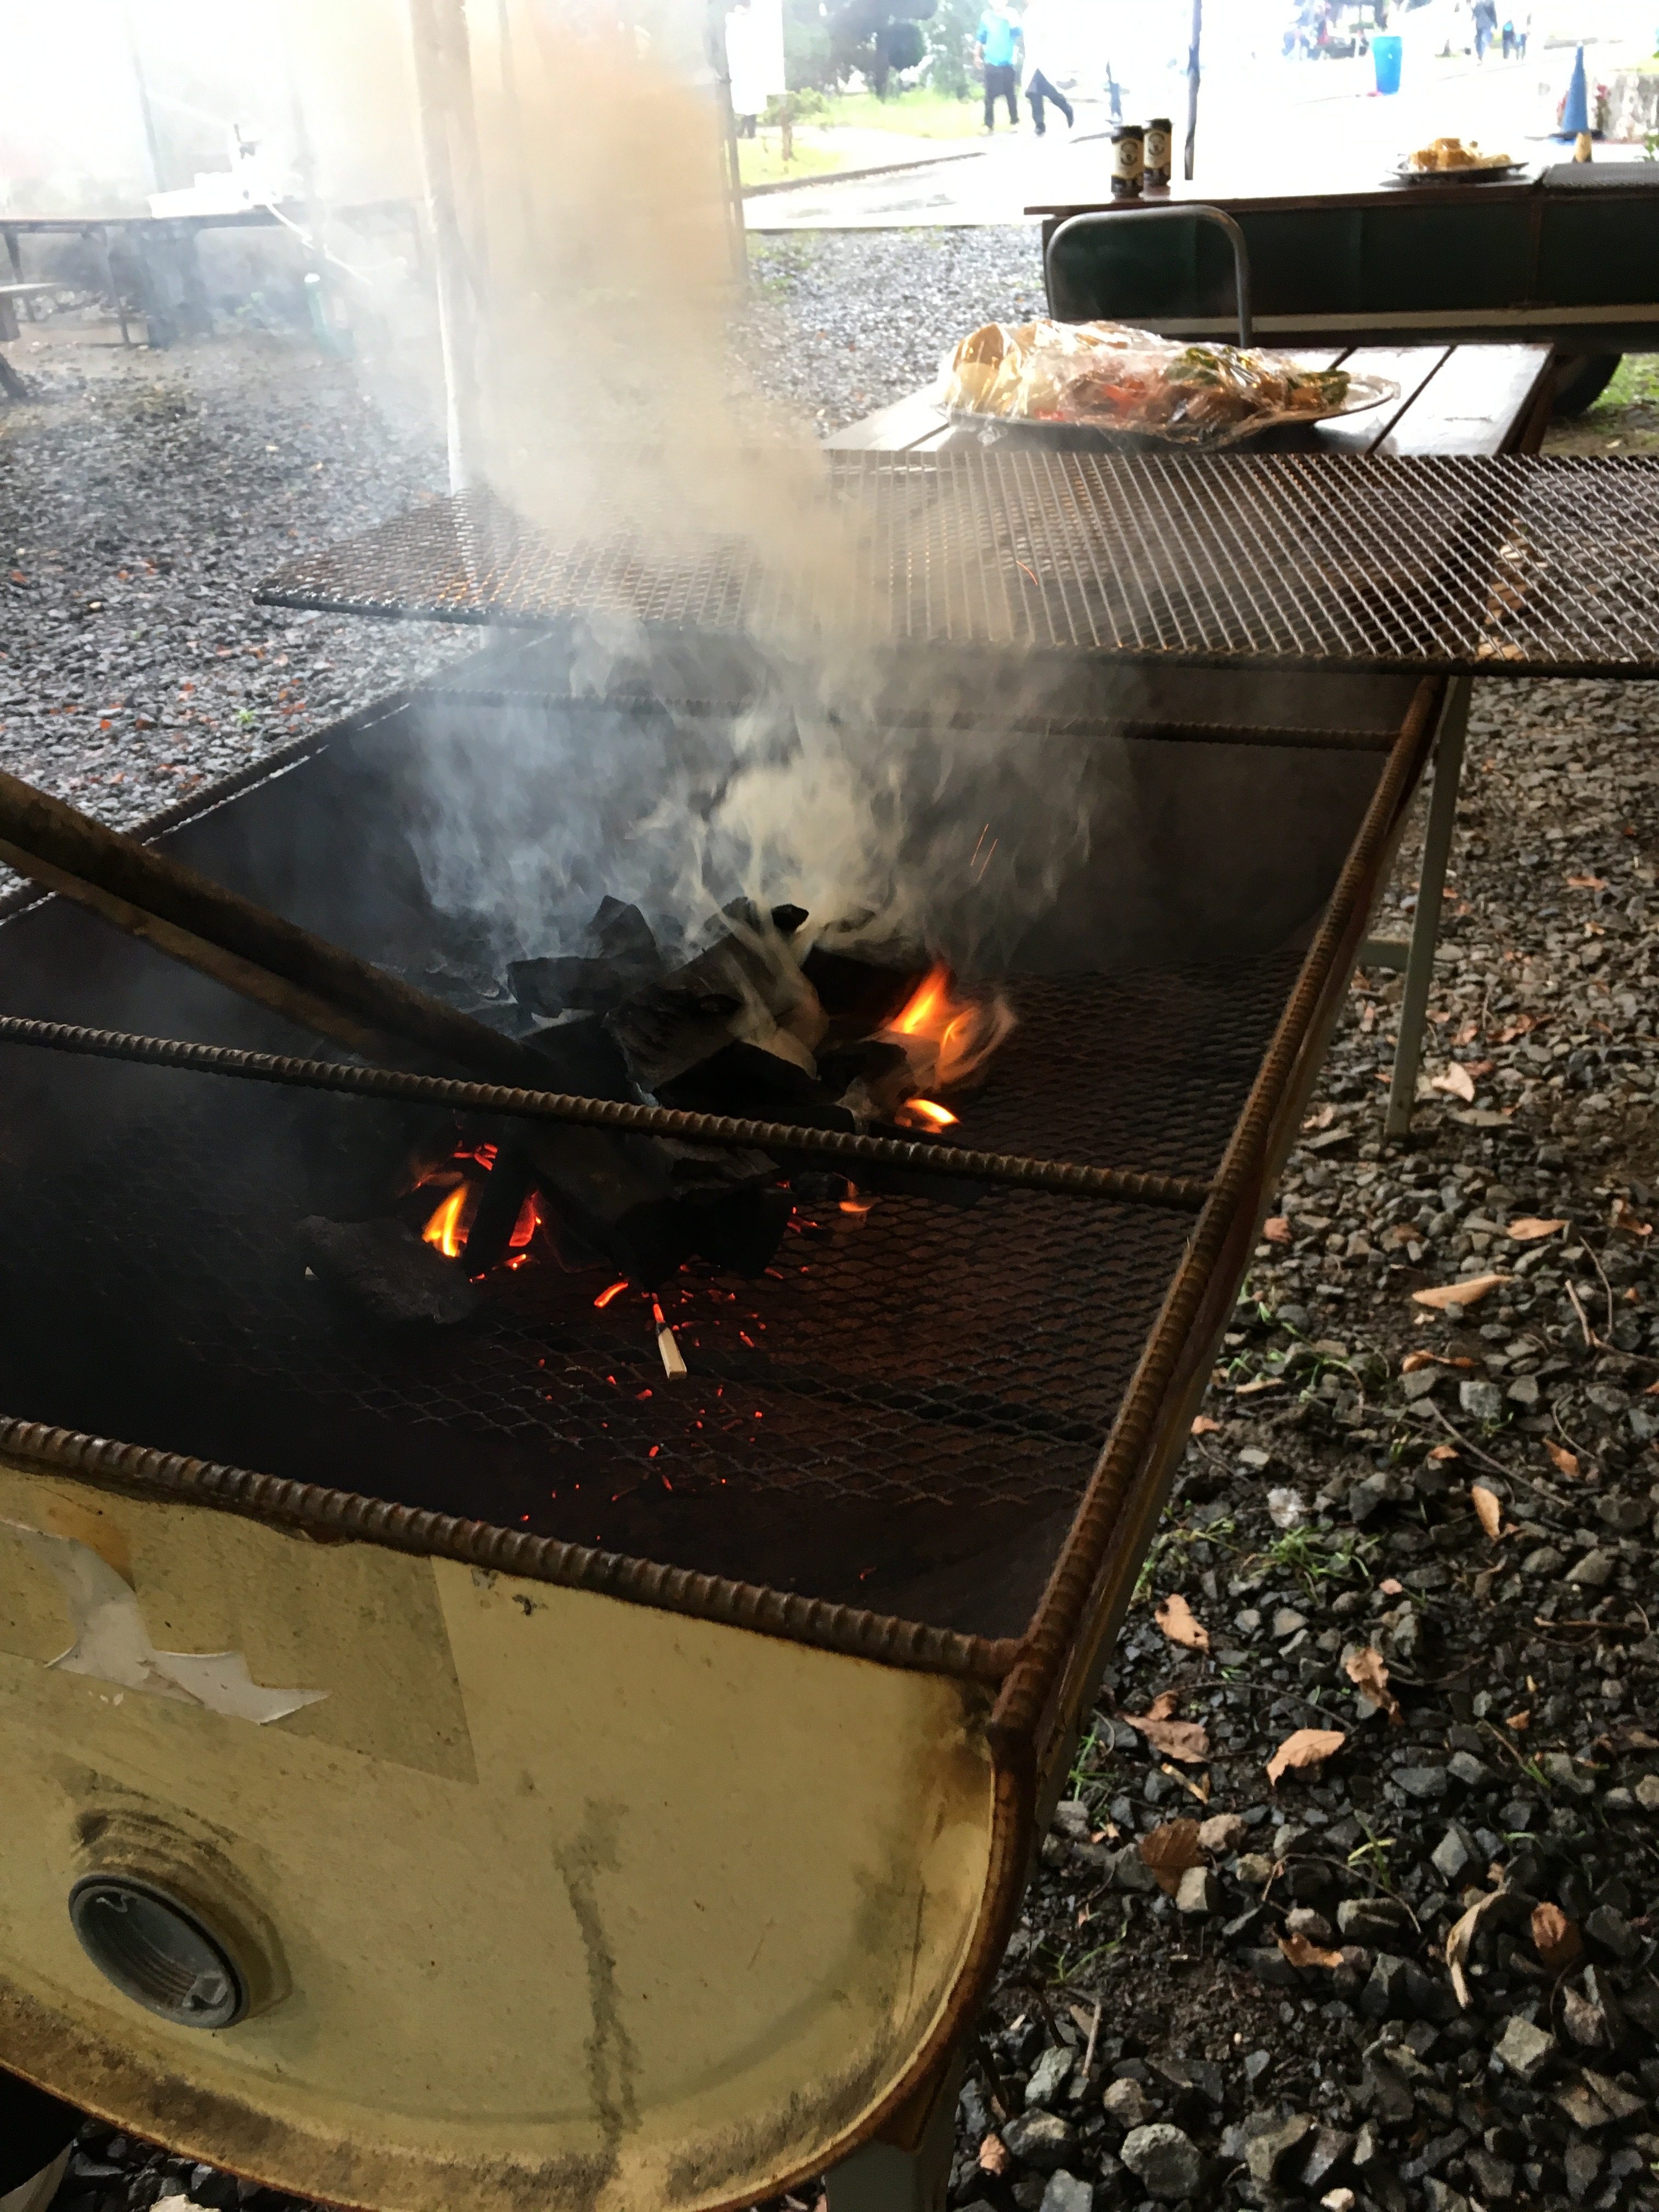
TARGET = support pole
x,y
1425,922
508,64
449,158
1193,74
144,109
720,63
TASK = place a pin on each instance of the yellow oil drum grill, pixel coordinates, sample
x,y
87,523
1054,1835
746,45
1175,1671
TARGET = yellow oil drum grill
x,y
389,1823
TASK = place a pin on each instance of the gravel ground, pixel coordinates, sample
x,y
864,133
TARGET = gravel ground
x,y
1417,1972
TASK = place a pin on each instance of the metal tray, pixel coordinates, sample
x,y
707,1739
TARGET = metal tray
x,y
1482,173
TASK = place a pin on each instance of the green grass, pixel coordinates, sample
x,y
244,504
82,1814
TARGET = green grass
x,y
760,162
1635,384
921,113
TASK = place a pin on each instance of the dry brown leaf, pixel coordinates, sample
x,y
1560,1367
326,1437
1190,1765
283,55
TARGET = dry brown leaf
x,y
1276,1229
1488,1510
1368,1671
1305,1747
1414,1360
1443,1451
1390,1588
1321,1120
1457,1080
1529,1228
1261,1382
1458,1941
1301,1952
1587,883
1186,1741
1169,1851
993,2156
1177,1620
1624,1218
1567,1462
1203,1425
1469,1292
1519,1721
1554,1937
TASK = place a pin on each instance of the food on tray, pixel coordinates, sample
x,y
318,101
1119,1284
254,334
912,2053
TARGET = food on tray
x,y
1455,153
1113,378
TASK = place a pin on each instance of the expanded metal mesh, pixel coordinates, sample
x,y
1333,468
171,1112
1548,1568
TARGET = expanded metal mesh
x,y
1498,565
888,1393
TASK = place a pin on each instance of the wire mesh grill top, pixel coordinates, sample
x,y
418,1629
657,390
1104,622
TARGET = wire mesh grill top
x,y
1497,565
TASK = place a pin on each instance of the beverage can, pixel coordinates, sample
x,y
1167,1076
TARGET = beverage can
x,y
1160,135
1128,161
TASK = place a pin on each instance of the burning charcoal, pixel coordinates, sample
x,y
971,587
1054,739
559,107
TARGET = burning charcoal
x,y
388,1272
860,996
787,920
584,1059
743,1081
501,1202
743,1233
748,987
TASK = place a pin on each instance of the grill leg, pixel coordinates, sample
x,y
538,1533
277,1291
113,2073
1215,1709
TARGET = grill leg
x,y
1426,924
883,2178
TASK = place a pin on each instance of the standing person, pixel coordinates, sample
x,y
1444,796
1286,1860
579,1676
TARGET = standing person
x,y
1037,29
1000,45
1485,24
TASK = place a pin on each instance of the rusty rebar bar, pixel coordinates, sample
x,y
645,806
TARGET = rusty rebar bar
x,y
841,1147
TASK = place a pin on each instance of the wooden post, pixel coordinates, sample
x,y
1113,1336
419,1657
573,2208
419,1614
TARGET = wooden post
x,y
450,161
1192,85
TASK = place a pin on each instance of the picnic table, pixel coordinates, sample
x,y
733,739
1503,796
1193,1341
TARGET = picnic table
x,y
11,385
1453,399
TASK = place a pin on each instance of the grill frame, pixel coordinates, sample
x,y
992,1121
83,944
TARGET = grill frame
x,y
1502,565
1024,1668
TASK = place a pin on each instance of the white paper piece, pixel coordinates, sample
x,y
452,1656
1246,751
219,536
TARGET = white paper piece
x,y
112,1644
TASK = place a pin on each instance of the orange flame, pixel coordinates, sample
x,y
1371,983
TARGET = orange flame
x,y
948,1037
925,1114
447,1229
529,1221
611,1291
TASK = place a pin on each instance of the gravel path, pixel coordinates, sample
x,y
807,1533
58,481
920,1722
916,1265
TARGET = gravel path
x,y
1452,1506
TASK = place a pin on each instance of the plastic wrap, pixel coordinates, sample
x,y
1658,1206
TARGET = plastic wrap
x,y
1107,376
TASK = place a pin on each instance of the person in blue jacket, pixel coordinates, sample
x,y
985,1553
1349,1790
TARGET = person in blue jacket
x,y
1000,44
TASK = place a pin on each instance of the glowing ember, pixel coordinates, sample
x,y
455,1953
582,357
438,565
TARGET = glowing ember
x,y
446,1228
529,1221
610,1291
947,1037
925,1114
854,1203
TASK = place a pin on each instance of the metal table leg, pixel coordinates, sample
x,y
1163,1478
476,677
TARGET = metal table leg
x,y
1417,958
884,2177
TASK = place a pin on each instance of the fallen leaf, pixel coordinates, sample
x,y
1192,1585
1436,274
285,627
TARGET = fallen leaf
x,y
1457,1080
1414,1360
1175,1617
1624,1218
1630,1737
1368,1671
1554,1937
1276,1229
1323,1119
993,2156
1469,1292
1305,1747
1302,1953
1529,1228
1203,1425
1587,883
1567,1462
1488,1510
1195,1785
1390,1588
1519,1721
1458,1941
1466,1033
1169,1851
1186,1741
1442,1451
1261,1382
1479,1067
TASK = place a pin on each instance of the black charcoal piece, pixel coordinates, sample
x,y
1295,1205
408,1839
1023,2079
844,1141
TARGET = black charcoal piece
x,y
501,1200
753,1085
738,988
622,933
743,1233
860,996
566,983
787,920
385,1271
584,1060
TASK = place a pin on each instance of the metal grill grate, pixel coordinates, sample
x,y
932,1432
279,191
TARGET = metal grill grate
x,y
1500,565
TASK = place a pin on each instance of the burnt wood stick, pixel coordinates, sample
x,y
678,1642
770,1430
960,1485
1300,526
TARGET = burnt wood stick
x,y
46,832
839,1147
239,975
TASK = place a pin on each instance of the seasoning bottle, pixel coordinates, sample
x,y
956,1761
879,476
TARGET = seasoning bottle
x,y
1159,133
1128,161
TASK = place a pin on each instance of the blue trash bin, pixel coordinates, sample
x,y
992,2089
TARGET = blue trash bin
x,y
1385,52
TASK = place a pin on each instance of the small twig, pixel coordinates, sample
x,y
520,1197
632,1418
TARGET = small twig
x,y
1001,2103
1590,1337
1473,1450
1606,1285
1094,2033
